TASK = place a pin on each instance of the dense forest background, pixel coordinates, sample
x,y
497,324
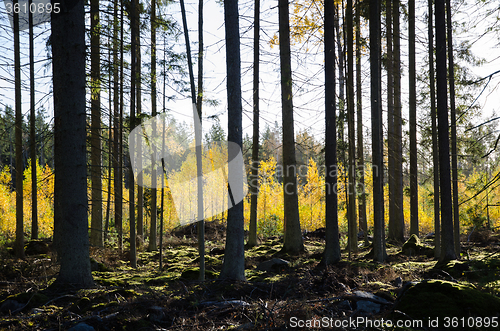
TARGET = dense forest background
x,y
139,62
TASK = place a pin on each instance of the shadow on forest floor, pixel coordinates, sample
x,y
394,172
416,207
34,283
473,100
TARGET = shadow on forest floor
x,y
278,298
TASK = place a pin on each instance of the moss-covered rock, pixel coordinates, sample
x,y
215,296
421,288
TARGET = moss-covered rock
x,y
432,299
194,273
413,246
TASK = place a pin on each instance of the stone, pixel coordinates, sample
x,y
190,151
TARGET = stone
x,y
438,299
413,246
368,307
81,327
10,305
274,264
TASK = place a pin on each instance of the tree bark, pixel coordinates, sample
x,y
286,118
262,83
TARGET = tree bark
x,y
154,175
133,78
254,181
435,151
199,103
396,232
363,222
352,222
19,244
293,236
117,132
413,122
447,241
70,187
233,266
453,115
332,252
377,139
96,234
34,184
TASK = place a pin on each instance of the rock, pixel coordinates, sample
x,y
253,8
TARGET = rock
x,y
36,247
274,264
398,282
367,307
11,306
97,266
344,305
439,299
225,303
413,246
156,314
81,327
367,296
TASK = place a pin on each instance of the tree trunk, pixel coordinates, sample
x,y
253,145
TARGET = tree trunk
x,y
197,133
199,166
398,121
396,216
34,184
110,149
379,254
133,78
363,222
453,115
154,175
413,122
254,181
117,131
233,266
390,119
96,233
138,109
19,244
332,246
447,241
435,151
352,222
70,187
293,236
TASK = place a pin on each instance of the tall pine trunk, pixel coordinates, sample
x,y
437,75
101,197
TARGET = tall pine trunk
x,y
453,115
96,234
379,253
70,187
117,141
332,252
233,266
396,216
19,244
435,151
197,134
351,207
293,237
154,175
363,222
413,122
133,79
34,200
199,166
254,181
447,241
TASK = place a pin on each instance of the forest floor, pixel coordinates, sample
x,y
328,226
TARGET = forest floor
x,y
354,294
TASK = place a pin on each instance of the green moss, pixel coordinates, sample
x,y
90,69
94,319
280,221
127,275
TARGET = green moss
x,y
413,246
437,298
194,273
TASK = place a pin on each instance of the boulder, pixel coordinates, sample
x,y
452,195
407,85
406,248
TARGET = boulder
x,y
413,246
273,265
439,299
